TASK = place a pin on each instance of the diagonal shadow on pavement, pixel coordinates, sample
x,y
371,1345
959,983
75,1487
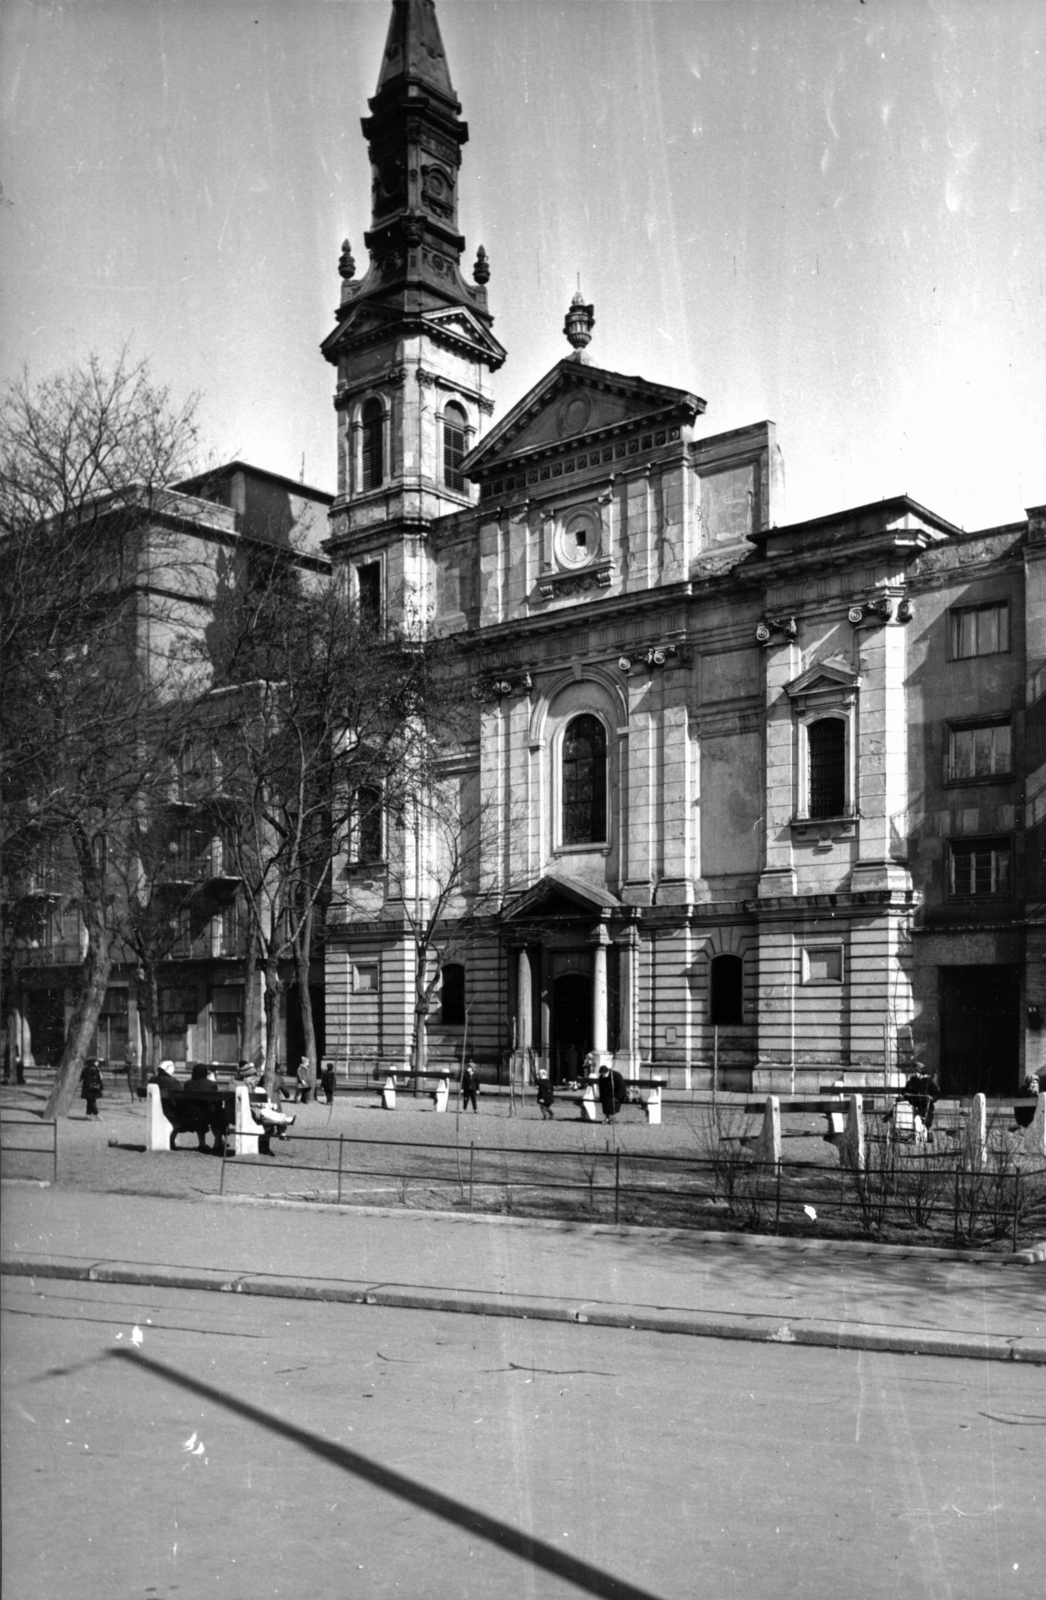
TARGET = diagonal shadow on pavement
x,y
591,1580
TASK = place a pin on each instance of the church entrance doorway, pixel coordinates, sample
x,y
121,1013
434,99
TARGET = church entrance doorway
x,y
571,1025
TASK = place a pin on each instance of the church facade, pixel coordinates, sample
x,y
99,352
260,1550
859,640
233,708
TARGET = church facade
x,y
738,796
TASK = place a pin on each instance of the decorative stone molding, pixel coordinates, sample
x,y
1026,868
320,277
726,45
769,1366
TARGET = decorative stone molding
x,y
501,687
879,609
787,627
655,656
555,585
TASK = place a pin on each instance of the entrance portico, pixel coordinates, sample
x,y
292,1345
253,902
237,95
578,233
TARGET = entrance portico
x,y
573,954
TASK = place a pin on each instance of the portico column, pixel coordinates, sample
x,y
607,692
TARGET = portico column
x,y
627,970
599,995
524,1004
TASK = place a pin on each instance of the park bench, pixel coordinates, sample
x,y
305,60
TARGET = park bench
x,y
241,1121
402,1078
588,1101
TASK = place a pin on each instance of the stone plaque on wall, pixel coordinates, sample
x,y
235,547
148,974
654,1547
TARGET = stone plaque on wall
x,y
729,504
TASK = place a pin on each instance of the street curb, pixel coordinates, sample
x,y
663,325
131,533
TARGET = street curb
x,y
756,1329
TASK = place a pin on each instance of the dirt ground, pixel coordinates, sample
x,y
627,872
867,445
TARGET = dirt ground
x,y
508,1159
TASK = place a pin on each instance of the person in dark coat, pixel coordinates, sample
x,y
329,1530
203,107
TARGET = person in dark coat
x,y
470,1086
611,1087
92,1087
546,1094
921,1092
327,1083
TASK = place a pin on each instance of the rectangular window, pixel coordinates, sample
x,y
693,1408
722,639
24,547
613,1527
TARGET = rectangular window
x,y
368,588
980,750
367,827
227,930
980,866
980,630
365,978
826,740
823,963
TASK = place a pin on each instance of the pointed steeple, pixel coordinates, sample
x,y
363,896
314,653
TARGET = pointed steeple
x,y
414,49
414,135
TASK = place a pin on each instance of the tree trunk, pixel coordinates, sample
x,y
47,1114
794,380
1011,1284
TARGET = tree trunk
x,y
149,1015
95,979
273,991
250,1019
302,956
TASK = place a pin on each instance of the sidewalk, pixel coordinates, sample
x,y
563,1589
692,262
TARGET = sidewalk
x,y
706,1285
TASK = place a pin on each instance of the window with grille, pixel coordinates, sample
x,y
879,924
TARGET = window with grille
x,y
980,630
826,745
585,782
981,750
726,992
372,459
455,425
980,866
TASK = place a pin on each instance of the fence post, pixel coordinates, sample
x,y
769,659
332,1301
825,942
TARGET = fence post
x,y
1016,1203
341,1142
472,1152
955,1209
617,1184
777,1203
54,1176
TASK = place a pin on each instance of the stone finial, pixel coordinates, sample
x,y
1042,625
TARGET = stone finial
x,y
346,265
481,269
580,320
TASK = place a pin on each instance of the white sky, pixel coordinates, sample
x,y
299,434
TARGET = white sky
x,y
831,213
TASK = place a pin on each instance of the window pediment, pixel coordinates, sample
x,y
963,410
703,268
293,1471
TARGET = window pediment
x,y
827,683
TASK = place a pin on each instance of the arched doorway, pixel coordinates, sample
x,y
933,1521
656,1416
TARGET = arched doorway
x,y
571,1024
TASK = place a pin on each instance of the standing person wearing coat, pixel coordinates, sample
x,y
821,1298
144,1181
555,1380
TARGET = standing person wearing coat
x,y
92,1087
611,1092
303,1079
546,1094
470,1086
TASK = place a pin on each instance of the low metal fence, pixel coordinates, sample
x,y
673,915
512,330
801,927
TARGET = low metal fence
x,y
897,1195
42,1148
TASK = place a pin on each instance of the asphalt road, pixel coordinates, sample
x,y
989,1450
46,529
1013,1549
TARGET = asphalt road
x,y
250,1448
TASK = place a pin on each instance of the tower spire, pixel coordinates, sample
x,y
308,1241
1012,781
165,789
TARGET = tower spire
x,y
414,50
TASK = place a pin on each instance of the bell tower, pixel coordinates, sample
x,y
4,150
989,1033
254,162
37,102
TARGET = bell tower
x,y
413,345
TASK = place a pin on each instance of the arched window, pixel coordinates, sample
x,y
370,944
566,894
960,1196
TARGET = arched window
x,y
452,995
455,425
585,782
372,456
726,990
826,742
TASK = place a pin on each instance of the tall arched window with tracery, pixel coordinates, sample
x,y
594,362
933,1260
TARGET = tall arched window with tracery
x,y
584,777
372,445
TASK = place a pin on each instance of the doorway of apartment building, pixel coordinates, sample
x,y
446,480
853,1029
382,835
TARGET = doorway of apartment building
x,y
571,1024
980,1030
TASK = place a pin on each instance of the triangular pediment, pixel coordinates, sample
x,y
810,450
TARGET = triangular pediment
x,y
824,677
560,895
461,325
367,317
574,402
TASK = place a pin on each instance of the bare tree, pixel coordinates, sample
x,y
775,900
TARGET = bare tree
x,y
95,679
317,705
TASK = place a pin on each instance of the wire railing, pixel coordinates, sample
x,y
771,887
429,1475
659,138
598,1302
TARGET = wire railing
x,y
44,1151
899,1194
